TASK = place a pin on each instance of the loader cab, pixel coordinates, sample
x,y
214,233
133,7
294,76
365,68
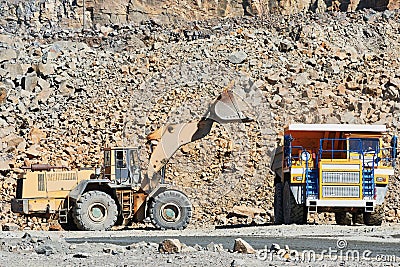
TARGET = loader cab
x,y
121,165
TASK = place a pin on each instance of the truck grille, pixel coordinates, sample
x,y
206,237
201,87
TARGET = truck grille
x,y
341,191
341,177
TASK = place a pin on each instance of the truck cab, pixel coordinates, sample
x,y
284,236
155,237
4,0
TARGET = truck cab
x,y
337,168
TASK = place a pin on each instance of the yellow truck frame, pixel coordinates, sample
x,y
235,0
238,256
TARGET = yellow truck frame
x,y
337,168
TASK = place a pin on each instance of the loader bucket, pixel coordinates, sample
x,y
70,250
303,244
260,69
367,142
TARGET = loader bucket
x,y
228,107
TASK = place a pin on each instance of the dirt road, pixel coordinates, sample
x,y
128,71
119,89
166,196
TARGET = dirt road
x,y
288,245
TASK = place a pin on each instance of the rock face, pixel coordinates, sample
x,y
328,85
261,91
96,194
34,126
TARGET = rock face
x,y
77,14
67,94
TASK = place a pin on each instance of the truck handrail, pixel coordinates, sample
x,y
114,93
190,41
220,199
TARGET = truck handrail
x,y
333,151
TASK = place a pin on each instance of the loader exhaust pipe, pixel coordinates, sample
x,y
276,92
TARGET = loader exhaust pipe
x,y
43,167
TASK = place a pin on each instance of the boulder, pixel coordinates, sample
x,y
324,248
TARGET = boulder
x,y
5,165
246,211
3,94
30,81
46,69
7,54
242,246
65,88
10,227
170,246
35,135
14,70
45,249
237,57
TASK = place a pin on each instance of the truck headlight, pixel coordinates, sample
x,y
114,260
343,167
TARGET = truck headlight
x,y
380,179
297,178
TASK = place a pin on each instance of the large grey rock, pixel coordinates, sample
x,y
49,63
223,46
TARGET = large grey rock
x,y
237,57
45,249
10,227
239,263
215,247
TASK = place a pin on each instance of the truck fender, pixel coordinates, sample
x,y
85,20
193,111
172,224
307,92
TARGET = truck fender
x,y
77,192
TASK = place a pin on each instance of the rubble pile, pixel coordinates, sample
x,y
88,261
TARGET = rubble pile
x,y
64,95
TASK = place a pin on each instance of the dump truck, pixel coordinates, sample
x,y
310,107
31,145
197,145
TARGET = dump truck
x,y
120,192
340,168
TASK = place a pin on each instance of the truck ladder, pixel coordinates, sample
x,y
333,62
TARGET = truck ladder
x,y
311,183
368,178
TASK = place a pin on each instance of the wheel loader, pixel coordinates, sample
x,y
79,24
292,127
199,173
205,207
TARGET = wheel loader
x,y
121,192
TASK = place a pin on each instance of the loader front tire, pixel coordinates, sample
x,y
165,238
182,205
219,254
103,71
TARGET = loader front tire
x,y
70,225
95,211
170,210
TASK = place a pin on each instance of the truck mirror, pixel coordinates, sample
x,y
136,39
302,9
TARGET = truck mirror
x,y
393,143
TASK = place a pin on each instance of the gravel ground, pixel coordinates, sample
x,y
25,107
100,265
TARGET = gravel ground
x,y
334,246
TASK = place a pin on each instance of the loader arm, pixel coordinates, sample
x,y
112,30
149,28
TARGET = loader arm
x,y
168,139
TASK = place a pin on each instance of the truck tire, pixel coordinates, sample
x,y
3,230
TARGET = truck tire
x,y
292,212
357,218
343,218
170,209
278,209
95,211
376,217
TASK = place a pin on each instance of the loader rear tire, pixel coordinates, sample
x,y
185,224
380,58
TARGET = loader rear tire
x,y
95,211
375,217
343,218
170,210
292,212
278,206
